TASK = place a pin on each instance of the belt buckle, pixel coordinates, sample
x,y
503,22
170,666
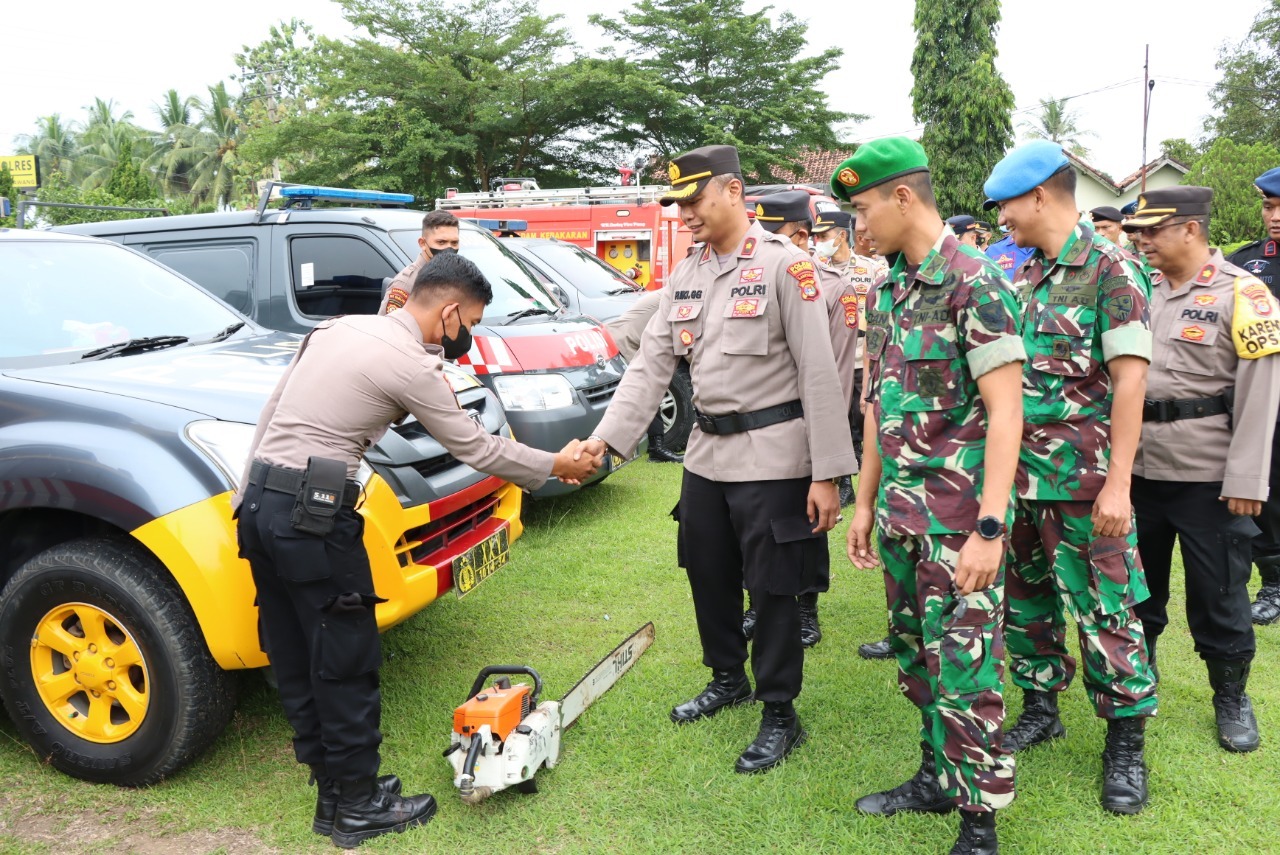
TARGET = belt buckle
x,y
706,422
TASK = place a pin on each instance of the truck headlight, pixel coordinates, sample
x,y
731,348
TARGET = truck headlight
x,y
227,445
534,391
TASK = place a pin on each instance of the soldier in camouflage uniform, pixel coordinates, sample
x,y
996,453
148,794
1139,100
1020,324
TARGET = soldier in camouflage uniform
x,y
945,370
1088,341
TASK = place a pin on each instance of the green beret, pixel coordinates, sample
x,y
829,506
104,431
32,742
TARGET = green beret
x,y
876,162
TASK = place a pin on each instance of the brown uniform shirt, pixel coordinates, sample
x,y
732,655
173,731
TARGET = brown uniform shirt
x,y
755,332
1198,330
398,290
843,314
628,327
357,375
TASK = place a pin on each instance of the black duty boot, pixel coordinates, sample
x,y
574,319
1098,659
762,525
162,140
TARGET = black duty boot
x,y
1237,727
365,812
749,621
780,732
658,451
1266,607
327,797
810,631
1038,723
1124,774
876,649
977,834
726,689
846,491
920,794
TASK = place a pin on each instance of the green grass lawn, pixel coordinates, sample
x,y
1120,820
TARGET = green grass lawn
x,y
590,569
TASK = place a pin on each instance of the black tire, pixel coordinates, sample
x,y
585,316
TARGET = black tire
x,y
677,410
188,699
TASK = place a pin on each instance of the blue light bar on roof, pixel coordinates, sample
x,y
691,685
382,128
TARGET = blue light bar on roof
x,y
500,225
340,194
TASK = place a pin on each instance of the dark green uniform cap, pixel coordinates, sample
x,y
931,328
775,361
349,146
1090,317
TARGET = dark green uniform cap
x,y
876,162
775,210
692,171
1156,206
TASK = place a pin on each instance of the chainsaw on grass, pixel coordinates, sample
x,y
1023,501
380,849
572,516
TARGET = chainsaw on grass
x,y
504,734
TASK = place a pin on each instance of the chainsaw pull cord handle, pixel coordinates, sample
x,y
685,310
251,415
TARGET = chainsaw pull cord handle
x,y
496,670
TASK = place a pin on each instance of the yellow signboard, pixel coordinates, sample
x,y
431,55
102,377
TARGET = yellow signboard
x,y
23,168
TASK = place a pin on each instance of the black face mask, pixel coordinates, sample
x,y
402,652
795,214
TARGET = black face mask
x,y
456,346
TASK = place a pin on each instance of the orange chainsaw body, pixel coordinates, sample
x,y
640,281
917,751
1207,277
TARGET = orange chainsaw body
x,y
500,708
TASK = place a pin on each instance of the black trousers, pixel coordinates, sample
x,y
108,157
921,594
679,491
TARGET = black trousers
x,y
1266,546
317,626
1216,547
753,534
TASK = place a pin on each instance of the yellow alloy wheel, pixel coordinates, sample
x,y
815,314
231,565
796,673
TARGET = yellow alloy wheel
x,y
90,672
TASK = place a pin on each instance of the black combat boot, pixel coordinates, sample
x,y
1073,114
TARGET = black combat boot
x,y
846,491
1038,723
810,631
327,797
726,689
876,649
780,732
658,451
977,834
1237,727
749,620
1266,607
365,812
1124,774
921,793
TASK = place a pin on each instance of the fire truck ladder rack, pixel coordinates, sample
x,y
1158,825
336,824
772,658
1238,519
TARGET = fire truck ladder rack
x,y
637,195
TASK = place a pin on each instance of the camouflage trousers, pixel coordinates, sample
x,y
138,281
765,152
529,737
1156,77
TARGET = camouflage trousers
x,y
950,650
1058,565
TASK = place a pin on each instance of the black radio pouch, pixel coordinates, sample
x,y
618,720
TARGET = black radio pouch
x,y
316,508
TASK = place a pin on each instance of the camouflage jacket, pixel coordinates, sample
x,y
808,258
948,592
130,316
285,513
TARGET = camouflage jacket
x,y
929,337
1081,310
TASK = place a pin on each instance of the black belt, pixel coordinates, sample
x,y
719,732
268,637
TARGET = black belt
x,y
1184,408
281,480
740,422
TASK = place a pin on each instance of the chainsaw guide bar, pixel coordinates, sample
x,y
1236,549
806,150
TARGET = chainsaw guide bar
x,y
601,678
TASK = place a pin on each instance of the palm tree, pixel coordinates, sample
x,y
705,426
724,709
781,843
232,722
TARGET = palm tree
x,y
55,143
1055,122
209,147
103,139
175,115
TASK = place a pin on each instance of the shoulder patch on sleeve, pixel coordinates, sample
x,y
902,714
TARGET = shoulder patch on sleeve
x,y
850,304
1255,324
806,277
396,298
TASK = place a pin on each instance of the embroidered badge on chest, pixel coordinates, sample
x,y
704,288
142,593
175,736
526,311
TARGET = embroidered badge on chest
x,y
1205,299
396,298
686,338
806,279
751,276
684,312
1192,333
746,308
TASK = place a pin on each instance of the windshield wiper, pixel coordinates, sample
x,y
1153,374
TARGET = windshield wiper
x,y
228,332
134,345
526,313
626,289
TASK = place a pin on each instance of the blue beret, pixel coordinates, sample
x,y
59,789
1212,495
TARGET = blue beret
x,y
1130,209
1022,170
1269,182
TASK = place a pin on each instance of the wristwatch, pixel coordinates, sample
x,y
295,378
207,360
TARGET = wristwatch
x,y
991,528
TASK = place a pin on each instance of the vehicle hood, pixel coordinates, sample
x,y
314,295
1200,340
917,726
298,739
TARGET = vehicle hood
x,y
540,345
229,380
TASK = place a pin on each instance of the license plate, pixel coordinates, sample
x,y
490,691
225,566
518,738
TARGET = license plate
x,y
617,461
480,562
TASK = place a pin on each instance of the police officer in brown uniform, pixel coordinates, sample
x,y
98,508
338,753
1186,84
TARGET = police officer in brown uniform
x,y
772,433
440,235
626,330
1201,470
301,533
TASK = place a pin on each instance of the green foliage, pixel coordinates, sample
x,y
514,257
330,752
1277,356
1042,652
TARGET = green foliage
x,y
127,181
1057,122
1230,168
8,191
696,72
1247,97
57,188
960,98
1182,150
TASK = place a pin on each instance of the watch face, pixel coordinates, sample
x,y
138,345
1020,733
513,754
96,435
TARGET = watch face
x,y
989,527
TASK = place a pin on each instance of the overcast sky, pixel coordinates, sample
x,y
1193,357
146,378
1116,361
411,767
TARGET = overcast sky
x,y
1059,49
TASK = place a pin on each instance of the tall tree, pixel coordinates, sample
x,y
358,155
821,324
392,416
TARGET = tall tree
x,y
695,72
1056,122
56,143
127,182
208,149
106,133
175,115
1230,168
1182,150
1247,96
960,98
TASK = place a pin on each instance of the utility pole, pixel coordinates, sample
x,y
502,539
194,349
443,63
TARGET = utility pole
x,y
1147,85
274,118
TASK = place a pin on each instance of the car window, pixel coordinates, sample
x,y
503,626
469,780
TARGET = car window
x,y
225,269
337,275
59,299
514,288
591,276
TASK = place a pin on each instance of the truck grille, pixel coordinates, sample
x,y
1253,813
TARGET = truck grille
x,y
433,543
602,393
